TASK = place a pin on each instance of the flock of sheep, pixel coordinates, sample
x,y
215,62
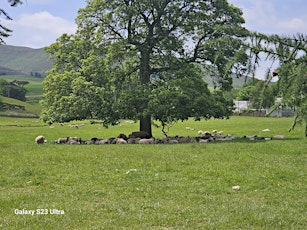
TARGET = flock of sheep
x,y
144,138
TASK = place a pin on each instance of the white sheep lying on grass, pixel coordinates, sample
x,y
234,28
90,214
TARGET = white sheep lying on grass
x,y
251,138
147,141
278,137
40,140
121,141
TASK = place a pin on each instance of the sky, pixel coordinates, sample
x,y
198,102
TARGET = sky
x,y
38,23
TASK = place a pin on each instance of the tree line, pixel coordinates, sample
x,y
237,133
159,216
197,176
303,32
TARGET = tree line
x,y
14,89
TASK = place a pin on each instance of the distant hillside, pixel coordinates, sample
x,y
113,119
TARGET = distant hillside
x,y
34,87
13,107
24,60
7,71
236,83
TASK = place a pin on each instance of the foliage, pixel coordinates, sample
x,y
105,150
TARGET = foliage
x,y
34,88
291,53
4,31
244,94
259,92
129,55
12,91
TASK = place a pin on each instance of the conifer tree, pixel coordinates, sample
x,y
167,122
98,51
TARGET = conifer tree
x,y
4,31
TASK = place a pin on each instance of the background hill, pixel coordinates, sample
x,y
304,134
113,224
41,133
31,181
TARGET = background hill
x,y
12,107
22,60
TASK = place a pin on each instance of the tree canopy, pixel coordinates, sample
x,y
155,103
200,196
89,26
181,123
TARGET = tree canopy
x,y
259,92
4,31
145,59
291,54
12,90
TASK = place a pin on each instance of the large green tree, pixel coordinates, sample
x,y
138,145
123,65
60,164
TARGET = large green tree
x,y
141,60
4,31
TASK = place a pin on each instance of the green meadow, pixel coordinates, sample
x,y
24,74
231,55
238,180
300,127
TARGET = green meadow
x,y
34,87
181,186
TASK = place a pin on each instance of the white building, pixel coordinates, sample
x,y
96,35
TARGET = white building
x,y
241,106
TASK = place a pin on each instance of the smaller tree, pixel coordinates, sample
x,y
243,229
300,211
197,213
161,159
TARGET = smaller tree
x,y
259,92
244,94
291,53
1,104
12,91
20,83
262,96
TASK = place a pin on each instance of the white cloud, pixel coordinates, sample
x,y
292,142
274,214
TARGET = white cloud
x,y
271,17
38,30
294,25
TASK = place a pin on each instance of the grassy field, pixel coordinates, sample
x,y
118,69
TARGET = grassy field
x,y
34,87
184,186
33,96
29,109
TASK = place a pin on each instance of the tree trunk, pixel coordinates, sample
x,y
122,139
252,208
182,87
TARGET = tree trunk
x,y
145,122
306,129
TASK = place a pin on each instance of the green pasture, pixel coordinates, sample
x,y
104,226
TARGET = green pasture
x,y
181,186
29,109
34,87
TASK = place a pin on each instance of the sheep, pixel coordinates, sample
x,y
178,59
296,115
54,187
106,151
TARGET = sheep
x,y
228,138
266,130
93,140
147,141
236,187
200,132
278,137
159,141
251,138
40,140
69,140
111,140
121,141
61,141
73,140
102,141
123,136
203,140
133,140
187,139
173,142
218,137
